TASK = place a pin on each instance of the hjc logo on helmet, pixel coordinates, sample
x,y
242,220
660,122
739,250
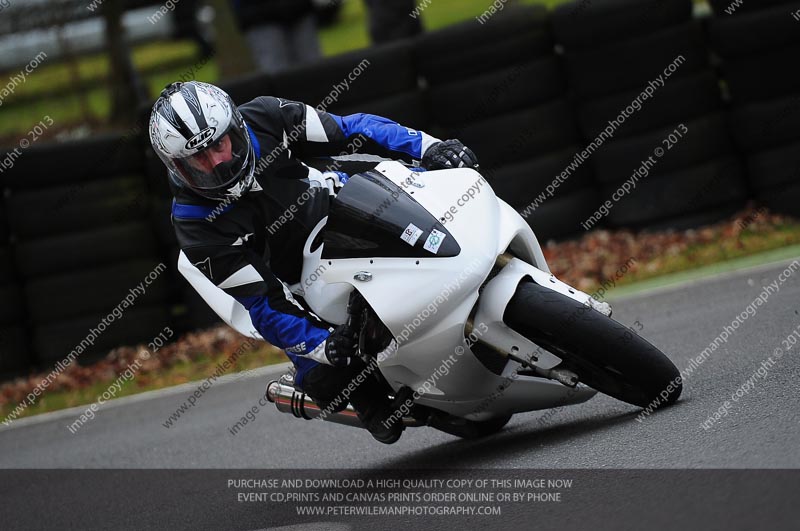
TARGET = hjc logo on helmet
x,y
201,138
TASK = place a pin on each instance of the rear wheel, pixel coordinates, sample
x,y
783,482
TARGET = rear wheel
x,y
604,354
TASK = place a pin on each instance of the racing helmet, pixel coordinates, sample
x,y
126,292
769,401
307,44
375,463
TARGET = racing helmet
x,y
200,136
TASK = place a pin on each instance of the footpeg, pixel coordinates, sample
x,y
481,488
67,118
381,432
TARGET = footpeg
x,y
568,378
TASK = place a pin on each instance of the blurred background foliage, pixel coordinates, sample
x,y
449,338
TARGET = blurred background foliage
x,y
66,90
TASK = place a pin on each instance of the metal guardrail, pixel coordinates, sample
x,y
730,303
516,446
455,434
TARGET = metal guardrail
x,y
32,26
27,15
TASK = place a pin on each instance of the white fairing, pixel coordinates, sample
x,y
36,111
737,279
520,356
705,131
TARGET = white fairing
x,y
228,308
426,302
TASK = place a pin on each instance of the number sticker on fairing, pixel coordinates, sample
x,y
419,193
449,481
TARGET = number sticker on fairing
x,y
411,234
434,241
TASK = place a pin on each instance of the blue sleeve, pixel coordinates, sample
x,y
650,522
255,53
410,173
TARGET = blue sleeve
x,y
245,275
292,333
385,132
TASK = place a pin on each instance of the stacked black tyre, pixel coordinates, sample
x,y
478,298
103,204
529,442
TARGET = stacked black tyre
x,y
614,51
14,341
244,89
499,87
758,46
78,215
740,7
380,80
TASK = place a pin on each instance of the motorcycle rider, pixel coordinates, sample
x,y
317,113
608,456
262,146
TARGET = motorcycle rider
x,y
234,171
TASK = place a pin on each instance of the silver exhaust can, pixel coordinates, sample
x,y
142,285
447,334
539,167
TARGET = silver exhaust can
x,y
288,400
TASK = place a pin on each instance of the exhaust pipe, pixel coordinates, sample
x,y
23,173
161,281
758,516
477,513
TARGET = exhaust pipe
x,y
302,406
287,400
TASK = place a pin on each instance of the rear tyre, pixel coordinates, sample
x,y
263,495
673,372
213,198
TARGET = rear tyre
x,y
604,354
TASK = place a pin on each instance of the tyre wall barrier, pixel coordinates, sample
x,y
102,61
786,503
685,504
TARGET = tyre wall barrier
x,y
80,241
672,146
14,340
528,90
757,48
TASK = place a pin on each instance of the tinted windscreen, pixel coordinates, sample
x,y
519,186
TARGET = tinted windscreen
x,y
373,217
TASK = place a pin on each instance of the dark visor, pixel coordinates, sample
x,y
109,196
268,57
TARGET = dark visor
x,y
217,166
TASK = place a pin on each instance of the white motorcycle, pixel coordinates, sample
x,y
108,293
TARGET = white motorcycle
x,y
459,314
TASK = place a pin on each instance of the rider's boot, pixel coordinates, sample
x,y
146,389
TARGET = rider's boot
x,y
385,425
375,410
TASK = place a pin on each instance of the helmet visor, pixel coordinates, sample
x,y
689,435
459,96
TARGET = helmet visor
x,y
217,166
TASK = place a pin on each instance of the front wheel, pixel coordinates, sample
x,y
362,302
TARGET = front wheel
x,y
604,354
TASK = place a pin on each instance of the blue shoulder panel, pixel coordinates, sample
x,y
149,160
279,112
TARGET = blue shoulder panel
x,y
385,132
254,140
183,211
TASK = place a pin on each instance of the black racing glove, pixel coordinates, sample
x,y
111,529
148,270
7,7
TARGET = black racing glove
x,y
449,154
342,345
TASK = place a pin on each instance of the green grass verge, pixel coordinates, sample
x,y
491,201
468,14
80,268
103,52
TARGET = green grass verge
x,y
749,244
736,264
179,373
351,31
706,259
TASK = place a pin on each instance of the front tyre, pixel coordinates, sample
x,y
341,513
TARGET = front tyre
x,y
604,354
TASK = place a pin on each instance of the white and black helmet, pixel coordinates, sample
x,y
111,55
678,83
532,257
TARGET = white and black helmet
x,y
201,137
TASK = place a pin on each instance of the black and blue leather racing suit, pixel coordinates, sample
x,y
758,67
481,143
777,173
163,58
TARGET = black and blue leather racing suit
x,y
252,247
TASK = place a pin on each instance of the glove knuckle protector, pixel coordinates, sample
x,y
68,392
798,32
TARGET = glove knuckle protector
x,y
449,154
341,346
